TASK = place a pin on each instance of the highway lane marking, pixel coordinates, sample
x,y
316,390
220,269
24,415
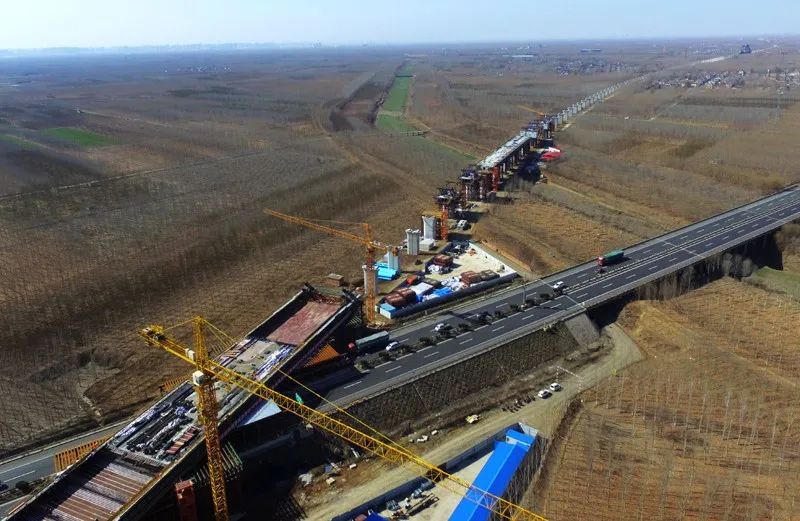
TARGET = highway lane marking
x,y
352,385
583,275
26,464
527,317
481,327
424,349
715,224
443,341
608,285
629,277
431,354
725,237
581,295
381,365
653,267
644,252
465,341
673,259
393,369
498,328
709,243
11,480
500,305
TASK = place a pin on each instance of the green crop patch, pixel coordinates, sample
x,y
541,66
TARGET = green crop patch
x,y
391,123
396,99
78,136
21,143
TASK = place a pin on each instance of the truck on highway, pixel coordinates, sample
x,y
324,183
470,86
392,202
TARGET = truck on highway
x,y
369,343
611,257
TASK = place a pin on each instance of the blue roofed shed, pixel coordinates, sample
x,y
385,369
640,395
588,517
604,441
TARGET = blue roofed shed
x,y
494,477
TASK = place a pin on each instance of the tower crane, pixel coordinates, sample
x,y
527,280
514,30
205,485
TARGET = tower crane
x,y
371,248
207,370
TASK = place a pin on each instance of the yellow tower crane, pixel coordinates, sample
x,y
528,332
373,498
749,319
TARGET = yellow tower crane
x,y
371,248
208,370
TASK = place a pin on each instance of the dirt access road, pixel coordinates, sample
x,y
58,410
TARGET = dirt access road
x,y
544,415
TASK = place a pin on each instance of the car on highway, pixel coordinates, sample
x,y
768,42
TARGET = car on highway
x,y
544,394
555,387
559,286
441,326
391,346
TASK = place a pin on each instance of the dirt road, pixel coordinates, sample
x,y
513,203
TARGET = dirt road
x,y
544,415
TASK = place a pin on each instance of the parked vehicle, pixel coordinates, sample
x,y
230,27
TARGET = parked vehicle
x,y
544,394
611,257
555,387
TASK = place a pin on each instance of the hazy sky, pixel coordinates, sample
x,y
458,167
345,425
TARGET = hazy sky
x,y
90,23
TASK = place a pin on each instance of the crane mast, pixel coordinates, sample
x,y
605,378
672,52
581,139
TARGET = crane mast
x,y
209,368
371,249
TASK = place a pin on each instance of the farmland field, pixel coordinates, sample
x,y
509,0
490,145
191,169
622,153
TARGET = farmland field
x,y
396,99
78,136
167,222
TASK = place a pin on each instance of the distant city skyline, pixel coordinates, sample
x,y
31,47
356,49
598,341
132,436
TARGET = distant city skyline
x,y
37,24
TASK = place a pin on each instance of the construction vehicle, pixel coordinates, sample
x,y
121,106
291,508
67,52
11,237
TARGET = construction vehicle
x,y
208,370
371,249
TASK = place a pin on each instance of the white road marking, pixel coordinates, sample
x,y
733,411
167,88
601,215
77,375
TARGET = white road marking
x,y
673,259
351,385
608,285
725,237
431,354
424,349
498,328
500,305
11,480
581,295
443,341
582,275
653,267
465,341
629,277
394,369
527,317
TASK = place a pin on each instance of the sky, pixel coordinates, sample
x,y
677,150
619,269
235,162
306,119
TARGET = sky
x,y
105,23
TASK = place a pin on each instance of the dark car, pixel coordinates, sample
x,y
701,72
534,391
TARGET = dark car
x,y
3,486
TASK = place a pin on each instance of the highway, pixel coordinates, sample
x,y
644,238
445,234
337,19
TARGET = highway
x,y
585,288
39,463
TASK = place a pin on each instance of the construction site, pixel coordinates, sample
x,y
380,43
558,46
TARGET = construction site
x,y
453,377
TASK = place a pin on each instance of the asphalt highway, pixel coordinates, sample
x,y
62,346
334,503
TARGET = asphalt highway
x,y
585,288
39,463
